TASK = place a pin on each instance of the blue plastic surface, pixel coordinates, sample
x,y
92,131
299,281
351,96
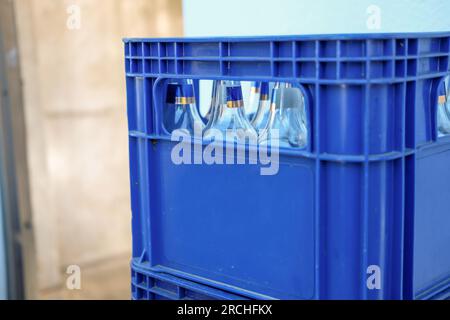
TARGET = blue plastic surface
x,y
371,187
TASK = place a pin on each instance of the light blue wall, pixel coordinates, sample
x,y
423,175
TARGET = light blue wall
x,y
277,17
288,17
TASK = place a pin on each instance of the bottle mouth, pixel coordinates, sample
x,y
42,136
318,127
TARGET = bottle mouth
x,y
256,87
442,98
234,97
184,100
181,94
264,97
235,104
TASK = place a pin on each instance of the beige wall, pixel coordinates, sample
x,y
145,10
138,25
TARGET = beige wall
x,y
73,83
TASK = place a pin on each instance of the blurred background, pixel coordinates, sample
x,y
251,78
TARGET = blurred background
x,y
64,188
69,55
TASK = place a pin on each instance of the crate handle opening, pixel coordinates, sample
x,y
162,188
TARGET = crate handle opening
x,y
255,106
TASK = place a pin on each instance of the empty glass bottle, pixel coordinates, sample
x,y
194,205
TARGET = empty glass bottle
x,y
253,101
228,118
208,115
443,109
181,112
287,117
261,117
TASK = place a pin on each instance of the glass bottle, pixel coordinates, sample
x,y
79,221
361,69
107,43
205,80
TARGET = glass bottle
x,y
287,116
261,117
253,101
443,111
228,117
181,111
208,115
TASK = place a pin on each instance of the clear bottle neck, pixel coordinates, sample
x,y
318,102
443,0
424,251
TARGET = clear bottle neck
x,y
285,96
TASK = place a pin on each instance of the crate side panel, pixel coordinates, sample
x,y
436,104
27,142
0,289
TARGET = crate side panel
x,y
432,220
234,231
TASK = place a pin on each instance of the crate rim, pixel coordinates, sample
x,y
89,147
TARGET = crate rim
x,y
298,37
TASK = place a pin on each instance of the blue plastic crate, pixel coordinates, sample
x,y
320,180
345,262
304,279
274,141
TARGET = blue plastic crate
x,y
371,187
